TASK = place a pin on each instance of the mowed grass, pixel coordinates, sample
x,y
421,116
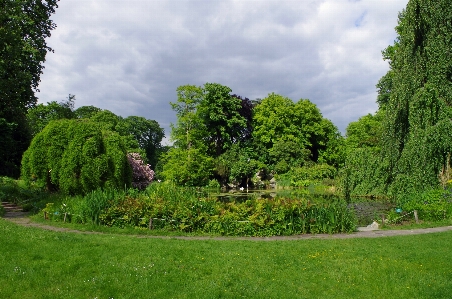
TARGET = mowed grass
x,y
35,263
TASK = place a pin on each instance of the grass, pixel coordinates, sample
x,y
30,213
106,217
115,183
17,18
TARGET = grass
x,y
44,264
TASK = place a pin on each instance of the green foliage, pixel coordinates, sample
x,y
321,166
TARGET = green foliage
x,y
290,130
24,27
191,167
432,205
189,128
167,207
86,111
275,134
210,122
15,138
366,132
39,116
147,133
307,175
364,169
237,163
76,157
107,119
219,112
363,174
213,185
414,96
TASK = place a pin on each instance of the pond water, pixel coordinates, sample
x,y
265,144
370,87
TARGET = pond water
x,y
366,209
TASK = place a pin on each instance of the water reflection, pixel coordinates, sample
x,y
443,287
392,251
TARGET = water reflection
x,y
243,195
366,209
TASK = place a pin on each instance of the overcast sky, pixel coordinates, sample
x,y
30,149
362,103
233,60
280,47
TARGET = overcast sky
x,y
130,56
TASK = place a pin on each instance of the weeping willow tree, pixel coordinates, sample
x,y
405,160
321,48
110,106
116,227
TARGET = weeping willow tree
x,y
416,96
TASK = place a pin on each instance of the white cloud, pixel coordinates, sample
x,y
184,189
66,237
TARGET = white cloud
x,y
130,56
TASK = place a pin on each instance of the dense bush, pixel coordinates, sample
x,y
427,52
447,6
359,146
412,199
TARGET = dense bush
x,y
307,175
76,157
431,205
170,208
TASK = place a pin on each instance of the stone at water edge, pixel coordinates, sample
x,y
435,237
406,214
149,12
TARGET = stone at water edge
x,y
373,226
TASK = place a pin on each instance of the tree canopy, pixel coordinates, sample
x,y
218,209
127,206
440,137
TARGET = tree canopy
x,y
415,97
24,27
229,138
76,156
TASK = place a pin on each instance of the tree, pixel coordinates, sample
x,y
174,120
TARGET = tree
x,y
188,167
416,95
76,157
86,111
40,115
24,27
189,128
220,114
290,130
366,132
146,132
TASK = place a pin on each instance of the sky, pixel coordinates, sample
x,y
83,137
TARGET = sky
x,y
130,56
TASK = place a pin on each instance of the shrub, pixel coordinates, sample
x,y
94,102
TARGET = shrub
x,y
76,157
307,175
433,205
142,174
190,210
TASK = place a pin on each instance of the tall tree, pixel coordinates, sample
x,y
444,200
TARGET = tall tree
x,y
418,127
288,129
40,115
146,132
24,27
416,95
220,113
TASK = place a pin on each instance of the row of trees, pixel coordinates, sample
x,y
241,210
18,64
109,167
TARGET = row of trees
x,y
79,150
221,137
229,138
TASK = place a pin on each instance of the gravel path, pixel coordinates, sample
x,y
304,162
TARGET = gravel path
x,y
17,216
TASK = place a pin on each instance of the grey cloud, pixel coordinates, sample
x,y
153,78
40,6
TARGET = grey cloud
x,y
129,57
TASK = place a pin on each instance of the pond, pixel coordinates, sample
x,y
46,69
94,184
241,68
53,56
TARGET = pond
x,y
366,209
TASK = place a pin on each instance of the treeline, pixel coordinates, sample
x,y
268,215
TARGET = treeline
x,y
225,139
79,150
222,139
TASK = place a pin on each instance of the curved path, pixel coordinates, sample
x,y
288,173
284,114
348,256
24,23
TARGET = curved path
x,y
14,214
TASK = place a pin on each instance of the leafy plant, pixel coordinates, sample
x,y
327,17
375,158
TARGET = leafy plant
x,y
76,157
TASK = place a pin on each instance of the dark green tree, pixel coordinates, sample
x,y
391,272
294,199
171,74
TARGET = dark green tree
x,y
24,27
40,115
146,132
220,114
86,111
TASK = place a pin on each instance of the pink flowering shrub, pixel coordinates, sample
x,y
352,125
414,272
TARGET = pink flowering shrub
x,y
142,174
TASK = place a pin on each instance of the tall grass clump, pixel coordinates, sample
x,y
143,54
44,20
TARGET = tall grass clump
x,y
171,208
166,207
431,205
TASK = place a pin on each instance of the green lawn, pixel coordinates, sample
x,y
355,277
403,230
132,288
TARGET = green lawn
x,y
44,264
